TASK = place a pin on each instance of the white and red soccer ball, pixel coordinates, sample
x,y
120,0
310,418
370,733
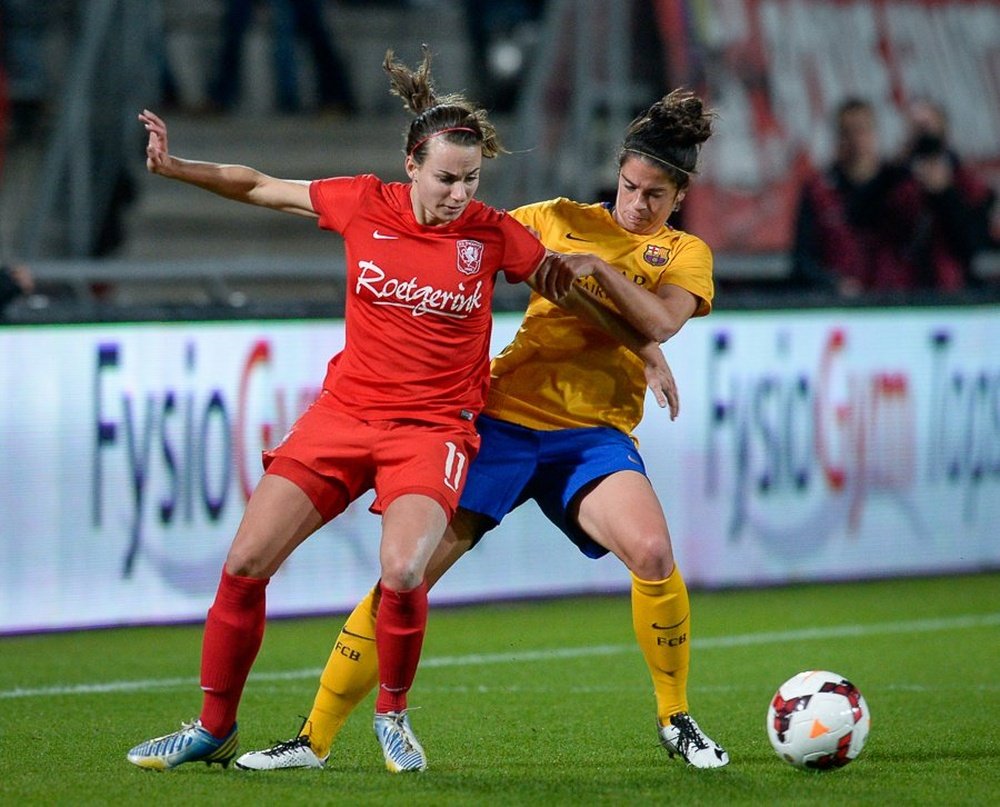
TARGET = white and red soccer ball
x,y
818,720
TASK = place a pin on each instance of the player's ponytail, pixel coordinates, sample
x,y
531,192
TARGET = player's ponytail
x,y
670,134
452,116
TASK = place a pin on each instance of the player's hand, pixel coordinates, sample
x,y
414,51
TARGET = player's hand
x,y
555,277
660,379
157,151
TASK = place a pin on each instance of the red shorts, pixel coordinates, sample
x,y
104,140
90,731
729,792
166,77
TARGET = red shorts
x,y
335,458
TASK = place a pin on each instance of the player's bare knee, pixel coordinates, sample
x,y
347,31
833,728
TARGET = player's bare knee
x,y
649,557
242,564
401,576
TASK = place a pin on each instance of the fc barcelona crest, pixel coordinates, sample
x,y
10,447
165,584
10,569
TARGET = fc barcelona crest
x,y
655,256
470,256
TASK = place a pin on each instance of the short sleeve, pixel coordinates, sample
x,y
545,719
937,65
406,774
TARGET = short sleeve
x,y
691,269
522,251
527,214
336,199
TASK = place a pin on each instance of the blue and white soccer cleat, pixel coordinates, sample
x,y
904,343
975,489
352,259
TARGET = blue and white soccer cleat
x,y
191,744
685,738
400,747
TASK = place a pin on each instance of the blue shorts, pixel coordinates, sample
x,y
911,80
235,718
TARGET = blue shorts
x,y
515,464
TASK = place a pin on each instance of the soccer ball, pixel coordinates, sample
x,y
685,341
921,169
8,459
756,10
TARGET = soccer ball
x,y
818,720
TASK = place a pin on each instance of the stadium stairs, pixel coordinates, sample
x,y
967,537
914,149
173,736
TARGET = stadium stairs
x,y
170,220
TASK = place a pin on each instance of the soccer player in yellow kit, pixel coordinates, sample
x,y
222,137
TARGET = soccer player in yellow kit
x,y
564,398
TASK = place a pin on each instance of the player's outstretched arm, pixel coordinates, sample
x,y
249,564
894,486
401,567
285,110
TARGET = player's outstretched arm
x,y
237,182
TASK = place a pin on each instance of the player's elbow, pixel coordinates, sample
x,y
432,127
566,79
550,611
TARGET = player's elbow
x,y
669,320
665,328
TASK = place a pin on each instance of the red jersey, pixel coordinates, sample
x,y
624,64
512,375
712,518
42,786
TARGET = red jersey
x,y
418,311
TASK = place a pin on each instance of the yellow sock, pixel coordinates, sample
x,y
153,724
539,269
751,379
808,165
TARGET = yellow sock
x,y
661,616
350,674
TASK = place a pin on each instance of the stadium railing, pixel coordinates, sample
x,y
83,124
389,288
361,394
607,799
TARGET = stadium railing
x,y
266,287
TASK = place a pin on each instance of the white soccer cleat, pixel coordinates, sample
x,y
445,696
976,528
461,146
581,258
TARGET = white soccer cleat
x,y
400,747
685,738
284,755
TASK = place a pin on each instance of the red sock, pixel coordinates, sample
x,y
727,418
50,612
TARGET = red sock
x,y
399,634
233,633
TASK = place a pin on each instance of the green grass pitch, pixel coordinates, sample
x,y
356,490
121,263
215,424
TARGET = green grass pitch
x,y
540,703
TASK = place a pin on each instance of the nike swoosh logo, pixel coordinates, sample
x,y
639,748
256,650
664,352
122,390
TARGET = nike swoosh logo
x,y
383,237
572,237
654,626
357,635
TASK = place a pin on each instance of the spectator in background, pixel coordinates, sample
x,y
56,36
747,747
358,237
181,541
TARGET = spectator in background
x,y
4,101
15,280
289,19
22,57
502,34
867,224
942,208
839,237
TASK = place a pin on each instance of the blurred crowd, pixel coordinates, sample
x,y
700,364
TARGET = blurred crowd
x,y
868,222
502,33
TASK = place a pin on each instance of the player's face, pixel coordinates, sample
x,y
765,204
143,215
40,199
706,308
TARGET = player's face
x,y
445,182
646,196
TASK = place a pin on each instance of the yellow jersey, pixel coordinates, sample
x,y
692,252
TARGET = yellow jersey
x,y
563,372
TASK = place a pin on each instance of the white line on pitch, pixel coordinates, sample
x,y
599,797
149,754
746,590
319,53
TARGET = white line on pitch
x,y
739,640
707,643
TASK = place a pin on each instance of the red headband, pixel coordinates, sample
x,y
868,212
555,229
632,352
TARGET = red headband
x,y
419,143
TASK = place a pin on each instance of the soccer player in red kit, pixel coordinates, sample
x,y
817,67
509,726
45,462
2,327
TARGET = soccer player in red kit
x,y
397,406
